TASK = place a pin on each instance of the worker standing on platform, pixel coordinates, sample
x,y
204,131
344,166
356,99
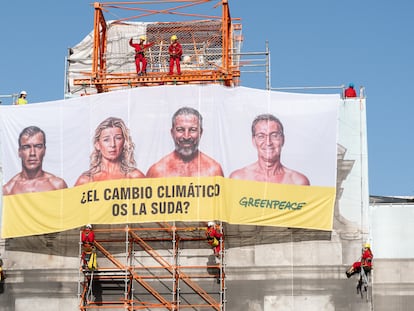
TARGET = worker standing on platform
x,y
140,54
175,51
22,98
350,91
88,248
88,236
213,237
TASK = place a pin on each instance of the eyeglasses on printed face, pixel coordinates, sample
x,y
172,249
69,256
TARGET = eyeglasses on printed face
x,y
274,136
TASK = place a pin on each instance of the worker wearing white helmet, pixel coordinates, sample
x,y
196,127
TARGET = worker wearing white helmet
x,y
213,237
175,51
211,224
88,236
88,249
22,98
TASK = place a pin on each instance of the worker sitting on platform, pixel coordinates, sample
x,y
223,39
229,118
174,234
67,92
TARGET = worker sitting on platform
x,y
213,237
140,49
365,262
175,51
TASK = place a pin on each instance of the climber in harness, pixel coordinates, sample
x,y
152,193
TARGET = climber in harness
x,y
213,237
363,267
365,262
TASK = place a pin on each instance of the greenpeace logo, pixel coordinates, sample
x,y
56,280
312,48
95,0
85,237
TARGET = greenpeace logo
x,y
271,204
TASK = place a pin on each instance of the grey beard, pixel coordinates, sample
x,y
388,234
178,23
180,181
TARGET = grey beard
x,y
187,153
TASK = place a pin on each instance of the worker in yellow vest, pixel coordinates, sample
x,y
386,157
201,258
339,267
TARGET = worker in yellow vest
x,y
22,98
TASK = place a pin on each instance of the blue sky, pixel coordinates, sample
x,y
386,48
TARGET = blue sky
x,y
312,43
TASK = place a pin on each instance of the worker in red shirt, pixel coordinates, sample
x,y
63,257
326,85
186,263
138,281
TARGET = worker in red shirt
x,y
350,91
140,54
88,236
175,51
365,262
88,248
213,237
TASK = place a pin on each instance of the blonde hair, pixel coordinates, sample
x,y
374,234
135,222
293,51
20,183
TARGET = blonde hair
x,y
126,158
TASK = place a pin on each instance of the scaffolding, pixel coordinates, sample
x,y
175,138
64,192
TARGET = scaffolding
x,y
157,266
211,48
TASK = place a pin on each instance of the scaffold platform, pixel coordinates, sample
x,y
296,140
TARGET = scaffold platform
x,y
155,266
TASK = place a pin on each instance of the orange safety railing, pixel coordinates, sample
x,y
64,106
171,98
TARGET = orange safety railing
x,y
210,48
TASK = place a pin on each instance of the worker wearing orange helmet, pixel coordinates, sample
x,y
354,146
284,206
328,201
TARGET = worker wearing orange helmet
x,y
175,51
140,60
365,262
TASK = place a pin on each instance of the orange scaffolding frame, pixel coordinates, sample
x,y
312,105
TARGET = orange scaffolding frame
x,y
226,73
142,275
145,274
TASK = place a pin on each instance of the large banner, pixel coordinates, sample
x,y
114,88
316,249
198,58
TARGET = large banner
x,y
170,153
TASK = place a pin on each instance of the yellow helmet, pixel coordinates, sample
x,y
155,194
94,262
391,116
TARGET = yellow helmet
x,y
367,245
142,38
174,37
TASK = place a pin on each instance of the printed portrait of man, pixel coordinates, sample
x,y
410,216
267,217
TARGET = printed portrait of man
x,y
268,138
32,178
186,159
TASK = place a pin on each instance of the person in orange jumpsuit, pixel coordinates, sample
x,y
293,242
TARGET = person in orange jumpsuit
x,y
365,262
140,54
213,237
350,91
175,51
